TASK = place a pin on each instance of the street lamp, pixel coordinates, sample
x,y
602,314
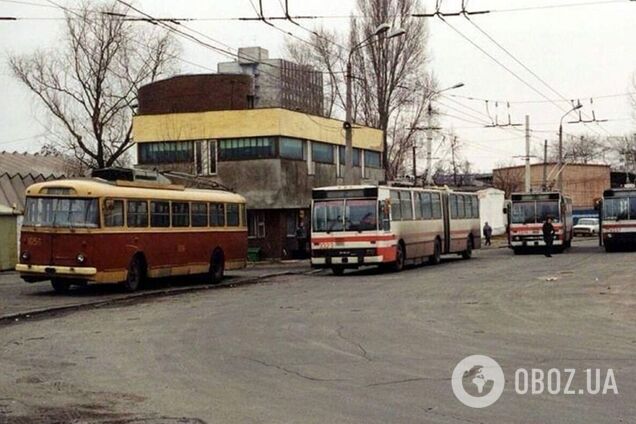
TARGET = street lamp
x,y
429,135
348,125
576,107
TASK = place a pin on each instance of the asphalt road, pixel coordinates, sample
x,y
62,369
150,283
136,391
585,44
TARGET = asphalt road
x,y
363,348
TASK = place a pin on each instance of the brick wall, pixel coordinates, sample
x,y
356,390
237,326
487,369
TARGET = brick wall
x,y
195,93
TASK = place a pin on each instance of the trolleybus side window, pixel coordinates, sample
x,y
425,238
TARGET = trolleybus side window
x,y
436,204
137,213
632,208
427,206
113,213
159,214
453,206
461,211
396,208
232,215
199,214
407,205
417,203
217,215
180,214
475,202
243,215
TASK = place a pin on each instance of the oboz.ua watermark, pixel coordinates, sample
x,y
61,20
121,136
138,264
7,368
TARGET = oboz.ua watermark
x,y
478,381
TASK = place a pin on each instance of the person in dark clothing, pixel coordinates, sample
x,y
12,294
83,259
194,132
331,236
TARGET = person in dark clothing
x,y
548,236
487,233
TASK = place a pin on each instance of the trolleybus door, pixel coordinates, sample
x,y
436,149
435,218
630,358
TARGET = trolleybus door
x,y
446,218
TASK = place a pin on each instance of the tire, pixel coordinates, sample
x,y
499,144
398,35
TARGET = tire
x,y
609,247
217,267
398,265
436,257
337,270
60,286
516,251
468,253
135,275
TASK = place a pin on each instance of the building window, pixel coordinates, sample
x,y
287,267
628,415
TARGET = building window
x,y
232,215
247,148
291,148
166,152
322,152
137,215
372,159
180,214
199,214
159,214
356,156
255,224
217,215
113,213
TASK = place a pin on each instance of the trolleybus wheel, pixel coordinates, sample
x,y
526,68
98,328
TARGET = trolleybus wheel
x,y
609,247
60,286
217,267
398,265
337,270
135,275
468,253
516,250
436,257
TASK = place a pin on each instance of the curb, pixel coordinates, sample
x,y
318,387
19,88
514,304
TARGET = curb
x,y
19,317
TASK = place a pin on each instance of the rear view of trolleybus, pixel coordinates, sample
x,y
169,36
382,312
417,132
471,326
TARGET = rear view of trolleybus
x,y
354,226
528,212
618,218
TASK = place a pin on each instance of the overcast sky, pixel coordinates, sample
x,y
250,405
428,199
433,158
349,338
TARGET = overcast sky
x,y
581,52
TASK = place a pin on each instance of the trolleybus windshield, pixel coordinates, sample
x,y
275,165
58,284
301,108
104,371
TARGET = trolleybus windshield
x,y
345,215
534,212
619,208
61,212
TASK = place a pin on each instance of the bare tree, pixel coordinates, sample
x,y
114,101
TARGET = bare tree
x,y
508,177
391,87
89,84
585,148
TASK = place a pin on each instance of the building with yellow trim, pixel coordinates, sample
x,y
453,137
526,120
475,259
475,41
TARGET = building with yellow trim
x,y
271,156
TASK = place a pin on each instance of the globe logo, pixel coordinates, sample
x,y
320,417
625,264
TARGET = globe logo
x,y
478,381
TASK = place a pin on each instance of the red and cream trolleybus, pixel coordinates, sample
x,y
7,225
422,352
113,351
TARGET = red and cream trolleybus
x,y
93,230
618,218
354,226
528,212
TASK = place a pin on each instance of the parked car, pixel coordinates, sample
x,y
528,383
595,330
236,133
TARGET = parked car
x,y
586,227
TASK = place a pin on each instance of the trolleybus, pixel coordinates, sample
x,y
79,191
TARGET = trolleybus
x,y
618,218
92,230
528,212
354,226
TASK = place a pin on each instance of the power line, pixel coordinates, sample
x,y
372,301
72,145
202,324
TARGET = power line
x,y
481,99
523,65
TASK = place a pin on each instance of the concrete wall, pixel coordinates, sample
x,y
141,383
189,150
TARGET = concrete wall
x,y
249,123
276,183
8,242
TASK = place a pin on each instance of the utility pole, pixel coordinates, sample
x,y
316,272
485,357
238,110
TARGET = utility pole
x,y
415,161
348,177
560,167
545,165
429,145
528,187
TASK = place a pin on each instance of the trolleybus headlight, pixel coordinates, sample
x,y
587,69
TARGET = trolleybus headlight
x,y
25,256
81,258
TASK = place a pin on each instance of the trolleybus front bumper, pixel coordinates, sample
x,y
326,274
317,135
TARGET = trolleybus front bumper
x,y
328,261
532,242
32,273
